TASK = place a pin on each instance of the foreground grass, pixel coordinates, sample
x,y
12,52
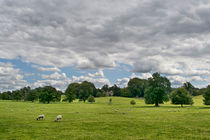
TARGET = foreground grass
x,y
86,121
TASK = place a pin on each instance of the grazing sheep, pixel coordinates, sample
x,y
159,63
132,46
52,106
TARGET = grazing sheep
x,y
169,110
178,110
174,110
59,117
11,110
40,117
116,110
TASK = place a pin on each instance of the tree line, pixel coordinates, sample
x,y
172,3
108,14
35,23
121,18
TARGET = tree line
x,y
155,90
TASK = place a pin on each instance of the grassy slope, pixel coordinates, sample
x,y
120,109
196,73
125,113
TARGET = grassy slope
x,y
100,121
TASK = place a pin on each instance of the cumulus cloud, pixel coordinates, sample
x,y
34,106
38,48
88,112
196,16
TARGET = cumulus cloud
x,y
172,38
46,69
61,81
10,77
97,78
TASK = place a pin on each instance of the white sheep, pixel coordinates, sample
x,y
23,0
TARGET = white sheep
x,y
40,117
59,117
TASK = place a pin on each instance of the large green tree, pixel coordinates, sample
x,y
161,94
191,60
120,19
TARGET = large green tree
x,y
207,96
181,96
72,91
137,87
86,89
158,90
48,94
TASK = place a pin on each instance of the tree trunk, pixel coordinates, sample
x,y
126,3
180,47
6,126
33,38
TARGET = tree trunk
x,y
156,105
181,105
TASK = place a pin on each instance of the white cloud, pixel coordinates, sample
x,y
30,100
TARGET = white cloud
x,y
54,76
61,81
46,69
10,77
173,38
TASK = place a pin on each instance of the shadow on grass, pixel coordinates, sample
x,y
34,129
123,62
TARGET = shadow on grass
x,y
184,107
162,107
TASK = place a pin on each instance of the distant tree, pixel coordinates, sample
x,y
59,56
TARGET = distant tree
x,y
158,89
49,94
105,88
16,95
207,96
24,92
72,92
191,89
116,90
181,96
91,99
202,91
6,95
32,95
137,87
125,92
132,102
86,89
100,93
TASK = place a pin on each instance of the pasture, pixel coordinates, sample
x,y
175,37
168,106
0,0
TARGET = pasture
x,y
101,121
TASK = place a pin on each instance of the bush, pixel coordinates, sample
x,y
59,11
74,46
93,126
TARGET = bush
x,y
91,99
110,101
132,102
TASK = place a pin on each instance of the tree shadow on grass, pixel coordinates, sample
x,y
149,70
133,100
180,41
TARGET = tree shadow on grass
x,y
175,107
162,107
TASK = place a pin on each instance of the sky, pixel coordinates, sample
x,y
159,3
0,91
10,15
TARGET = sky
x,y
58,42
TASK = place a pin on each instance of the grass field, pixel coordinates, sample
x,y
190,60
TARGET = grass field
x,y
100,121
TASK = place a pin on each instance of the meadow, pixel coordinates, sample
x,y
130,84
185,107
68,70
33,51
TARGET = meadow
x,y
102,121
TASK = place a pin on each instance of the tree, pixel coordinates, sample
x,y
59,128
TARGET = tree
x,y
137,87
32,95
125,92
158,90
181,96
105,88
16,95
190,88
72,92
24,92
6,95
86,89
48,94
207,96
91,99
116,90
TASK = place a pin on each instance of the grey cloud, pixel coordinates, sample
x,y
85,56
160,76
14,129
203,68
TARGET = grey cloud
x,y
150,35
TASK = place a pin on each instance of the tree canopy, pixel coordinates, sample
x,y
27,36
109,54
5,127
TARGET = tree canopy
x,y
181,96
158,90
207,96
137,87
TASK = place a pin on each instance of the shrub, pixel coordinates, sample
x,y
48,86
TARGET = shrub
x,y
91,99
110,101
132,102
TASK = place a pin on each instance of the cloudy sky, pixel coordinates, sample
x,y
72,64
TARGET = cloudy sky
x,y
56,42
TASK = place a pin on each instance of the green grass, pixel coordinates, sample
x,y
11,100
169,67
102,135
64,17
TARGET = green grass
x,y
99,121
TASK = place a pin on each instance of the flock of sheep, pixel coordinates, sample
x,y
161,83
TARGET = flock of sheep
x,y
59,117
